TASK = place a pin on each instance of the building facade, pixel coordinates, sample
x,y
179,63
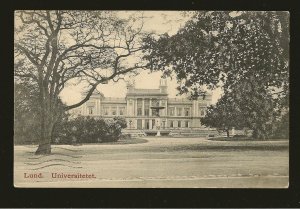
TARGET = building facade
x,y
177,113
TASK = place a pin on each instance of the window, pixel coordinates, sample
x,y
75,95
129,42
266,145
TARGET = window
x,y
122,110
105,110
155,102
139,111
179,123
139,106
186,124
146,112
114,111
154,112
90,109
179,111
146,107
163,103
171,111
171,124
147,124
202,109
186,111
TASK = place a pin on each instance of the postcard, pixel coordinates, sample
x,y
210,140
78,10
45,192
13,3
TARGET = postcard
x,y
151,99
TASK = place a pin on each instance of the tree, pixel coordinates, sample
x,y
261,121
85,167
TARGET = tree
x,y
246,106
224,115
56,48
26,127
229,50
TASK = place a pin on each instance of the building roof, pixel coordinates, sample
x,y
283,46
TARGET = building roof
x,y
113,100
145,92
179,101
95,93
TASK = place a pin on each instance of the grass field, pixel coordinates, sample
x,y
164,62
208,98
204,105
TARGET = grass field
x,y
159,162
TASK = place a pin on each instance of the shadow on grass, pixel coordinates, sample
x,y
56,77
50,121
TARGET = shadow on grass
x,y
129,141
122,141
243,139
228,148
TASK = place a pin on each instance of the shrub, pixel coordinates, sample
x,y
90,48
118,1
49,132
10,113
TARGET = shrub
x,y
89,130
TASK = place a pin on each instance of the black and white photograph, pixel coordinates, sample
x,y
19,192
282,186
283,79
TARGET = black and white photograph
x,y
151,99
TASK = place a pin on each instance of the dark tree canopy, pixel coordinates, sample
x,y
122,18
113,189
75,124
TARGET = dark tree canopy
x,y
244,53
219,49
224,116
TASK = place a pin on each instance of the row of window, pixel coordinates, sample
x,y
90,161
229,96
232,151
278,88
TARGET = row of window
x,y
154,102
146,111
106,111
186,111
180,124
113,111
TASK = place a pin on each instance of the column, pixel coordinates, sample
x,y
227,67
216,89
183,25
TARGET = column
x,y
194,109
143,124
135,107
166,107
99,107
127,107
96,106
197,108
143,107
150,112
150,124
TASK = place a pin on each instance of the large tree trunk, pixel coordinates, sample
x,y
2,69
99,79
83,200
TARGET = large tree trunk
x,y
47,124
45,141
44,149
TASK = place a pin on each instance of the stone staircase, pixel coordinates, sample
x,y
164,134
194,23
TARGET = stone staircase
x,y
205,133
134,133
194,133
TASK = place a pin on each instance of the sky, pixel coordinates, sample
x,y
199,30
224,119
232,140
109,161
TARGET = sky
x,y
156,21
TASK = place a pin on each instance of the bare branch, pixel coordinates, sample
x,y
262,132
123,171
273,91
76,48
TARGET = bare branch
x,y
28,54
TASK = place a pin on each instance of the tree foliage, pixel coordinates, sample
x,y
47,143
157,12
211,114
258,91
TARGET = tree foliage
x,y
26,127
56,48
224,115
247,106
26,114
244,53
217,49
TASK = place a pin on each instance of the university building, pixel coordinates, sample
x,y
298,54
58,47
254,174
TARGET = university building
x,y
177,113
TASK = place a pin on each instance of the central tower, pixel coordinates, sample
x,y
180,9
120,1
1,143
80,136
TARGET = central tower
x,y
163,86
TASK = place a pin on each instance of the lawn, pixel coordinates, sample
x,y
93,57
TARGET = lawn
x,y
159,162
